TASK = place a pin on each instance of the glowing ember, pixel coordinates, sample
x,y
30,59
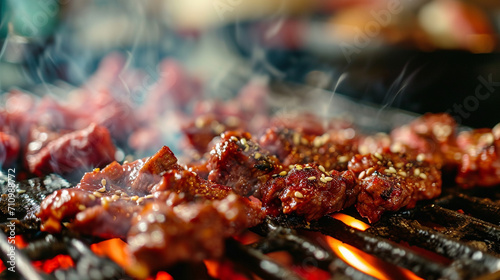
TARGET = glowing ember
x,y
247,237
58,262
223,270
162,276
20,243
367,263
212,268
350,221
115,249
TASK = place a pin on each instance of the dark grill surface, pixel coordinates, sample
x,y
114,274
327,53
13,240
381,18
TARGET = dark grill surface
x,y
461,227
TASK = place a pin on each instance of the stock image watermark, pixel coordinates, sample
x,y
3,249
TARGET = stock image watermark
x,y
224,6
33,18
371,29
471,103
11,234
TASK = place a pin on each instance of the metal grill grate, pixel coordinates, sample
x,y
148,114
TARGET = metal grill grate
x,y
461,227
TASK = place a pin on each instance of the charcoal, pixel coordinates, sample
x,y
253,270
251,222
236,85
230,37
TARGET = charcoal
x,y
28,194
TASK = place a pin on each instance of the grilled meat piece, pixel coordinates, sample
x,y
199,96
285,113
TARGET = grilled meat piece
x,y
248,111
162,235
377,143
237,161
192,185
309,191
105,201
310,124
89,147
333,150
392,181
480,164
106,197
204,128
432,135
96,214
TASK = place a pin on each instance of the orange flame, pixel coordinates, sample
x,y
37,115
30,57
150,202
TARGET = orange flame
x,y
363,261
350,221
117,250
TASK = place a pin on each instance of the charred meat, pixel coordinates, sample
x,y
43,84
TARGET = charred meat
x,y
308,191
389,182
332,150
237,161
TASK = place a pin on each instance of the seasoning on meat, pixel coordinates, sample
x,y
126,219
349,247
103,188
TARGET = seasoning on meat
x,y
237,161
106,197
333,149
389,182
162,235
433,135
308,191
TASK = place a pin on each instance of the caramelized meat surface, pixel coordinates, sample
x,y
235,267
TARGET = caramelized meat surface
x,y
333,150
310,124
480,164
432,135
104,201
377,143
237,161
192,185
162,235
204,128
248,111
81,149
389,182
309,191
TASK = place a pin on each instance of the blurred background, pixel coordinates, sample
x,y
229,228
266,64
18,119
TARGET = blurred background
x,y
417,55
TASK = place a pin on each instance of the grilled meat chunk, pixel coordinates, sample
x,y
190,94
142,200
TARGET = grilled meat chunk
x,y
309,191
310,124
81,149
390,181
202,130
377,143
192,185
237,161
162,235
480,164
332,150
106,197
248,111
105,201
432,135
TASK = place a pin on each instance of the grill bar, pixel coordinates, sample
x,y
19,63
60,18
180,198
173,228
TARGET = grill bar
x,y
469,260
285,239
462,226
482,208
262,265
383,249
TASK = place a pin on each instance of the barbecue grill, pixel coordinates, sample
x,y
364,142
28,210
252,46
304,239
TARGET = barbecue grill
x,y
461,227
455,236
